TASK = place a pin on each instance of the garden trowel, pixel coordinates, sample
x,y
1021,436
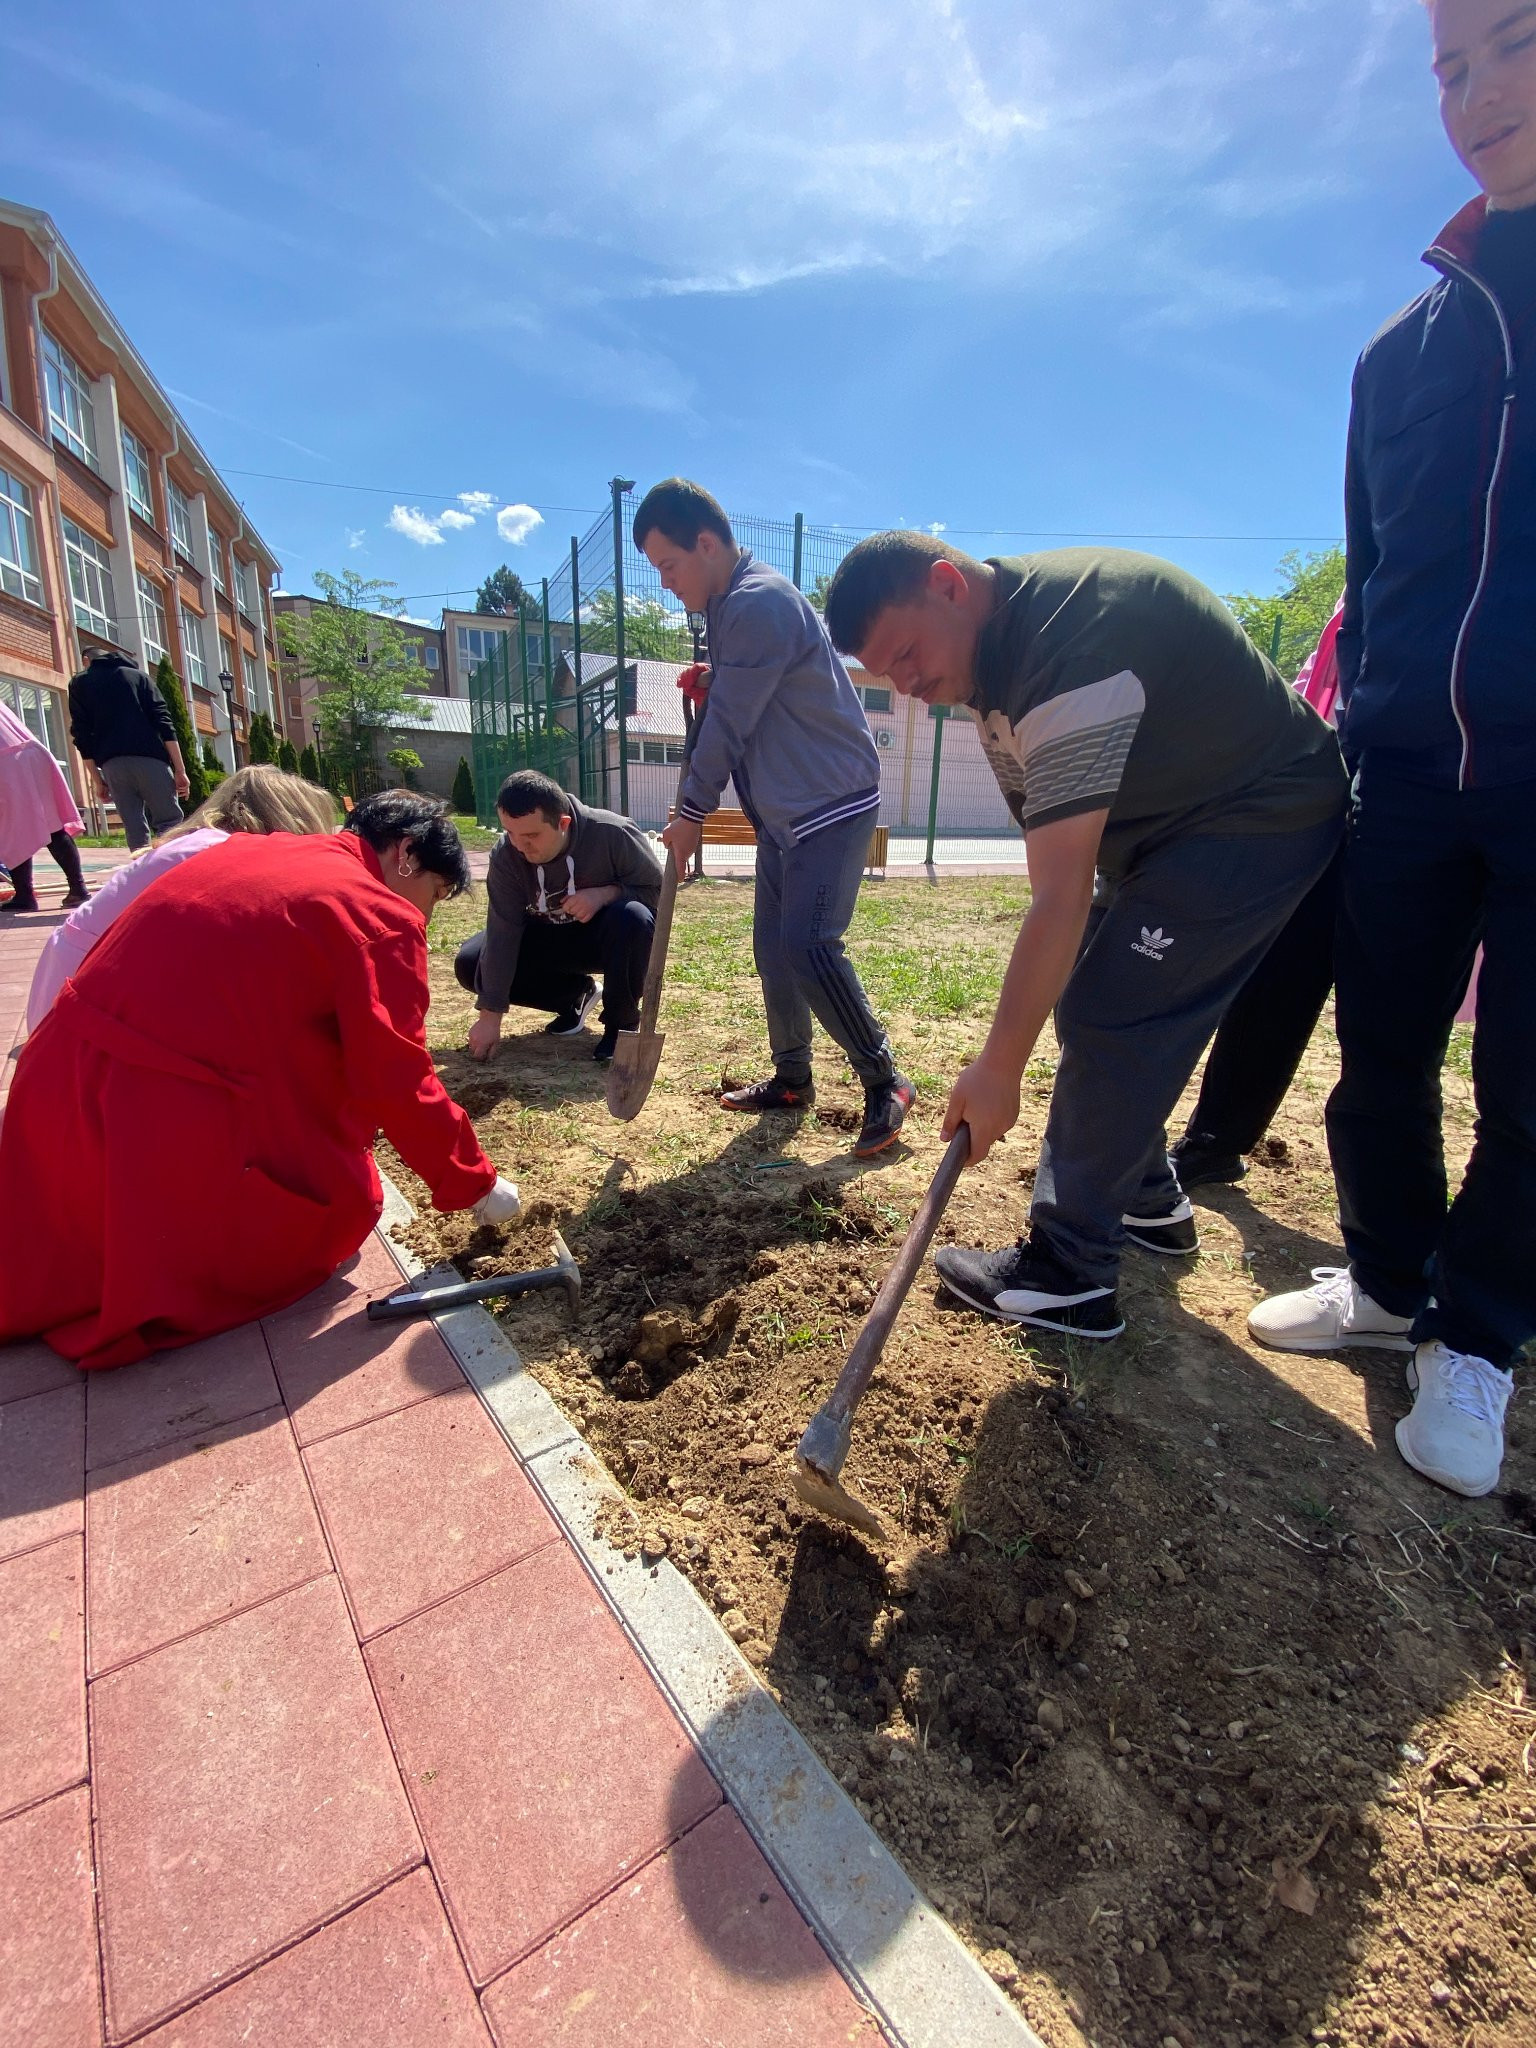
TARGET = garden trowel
x,y
822,1450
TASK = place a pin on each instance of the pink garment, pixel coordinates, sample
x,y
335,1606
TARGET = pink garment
x,y
1467,1014
1318,680
72,941
34,797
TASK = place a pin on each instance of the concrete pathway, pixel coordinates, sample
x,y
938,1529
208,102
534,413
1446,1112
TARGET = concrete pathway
x,y
314,1726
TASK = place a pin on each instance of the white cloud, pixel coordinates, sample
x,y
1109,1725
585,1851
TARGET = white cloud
x,y
476,501
356,535
515,522
413,524
454,520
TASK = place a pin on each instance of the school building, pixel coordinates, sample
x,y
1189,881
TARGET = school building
x,y
114,525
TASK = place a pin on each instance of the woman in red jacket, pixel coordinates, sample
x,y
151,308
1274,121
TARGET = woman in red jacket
x,y
188,1142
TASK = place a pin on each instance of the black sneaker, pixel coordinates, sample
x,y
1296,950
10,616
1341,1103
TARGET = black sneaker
x,y
1173,1233
771,1094
19,904
569,1022
885,1111
603,1050
1026,1284
1197,1159
75,898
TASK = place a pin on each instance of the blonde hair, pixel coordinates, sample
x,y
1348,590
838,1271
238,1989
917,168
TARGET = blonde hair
x,y
261,798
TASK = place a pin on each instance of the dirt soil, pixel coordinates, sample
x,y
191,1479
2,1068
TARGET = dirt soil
x,y
1201,1717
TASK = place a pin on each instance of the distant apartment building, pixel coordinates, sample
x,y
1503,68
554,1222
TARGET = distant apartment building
x,y
470,637
423,644
114,525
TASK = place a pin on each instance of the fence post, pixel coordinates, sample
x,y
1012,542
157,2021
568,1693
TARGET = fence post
x,y
576,649
939,714
618,487
794,574
549,679
522,650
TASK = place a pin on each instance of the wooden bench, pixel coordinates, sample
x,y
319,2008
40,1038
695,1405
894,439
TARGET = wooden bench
x,y
734,828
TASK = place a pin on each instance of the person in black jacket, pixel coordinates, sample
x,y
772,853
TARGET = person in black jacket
x,y
1437,672
122,726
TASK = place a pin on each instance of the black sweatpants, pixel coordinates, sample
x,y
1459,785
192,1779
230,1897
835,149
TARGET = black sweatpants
x,y
1428,873
555,962
66,853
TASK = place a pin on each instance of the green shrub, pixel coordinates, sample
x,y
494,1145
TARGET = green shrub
x,y
463,797
168,683
287,757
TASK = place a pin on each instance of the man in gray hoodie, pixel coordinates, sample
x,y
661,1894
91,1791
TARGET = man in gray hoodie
x,y
570,890
783,722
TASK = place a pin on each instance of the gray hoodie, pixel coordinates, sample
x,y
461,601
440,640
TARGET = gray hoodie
x,y
603,848
782,717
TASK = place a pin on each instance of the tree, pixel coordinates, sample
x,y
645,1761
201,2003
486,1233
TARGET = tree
x,y
463,797
816,596
405,761
168,683
653,631
1312,583
355,651
309,764
213,768
262,744
287,757
504,591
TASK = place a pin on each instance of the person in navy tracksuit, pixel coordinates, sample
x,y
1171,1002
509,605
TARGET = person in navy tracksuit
x,y
1437,669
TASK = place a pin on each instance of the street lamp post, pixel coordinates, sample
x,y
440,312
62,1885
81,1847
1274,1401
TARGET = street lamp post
x,y
227,685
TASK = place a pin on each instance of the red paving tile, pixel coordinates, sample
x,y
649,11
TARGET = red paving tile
x,y
385,1976
182,1536
42,1468
177,1394
337,1369
33,1369
702,1946
244,1793
543,1762
42,1673
421,1504
48,1993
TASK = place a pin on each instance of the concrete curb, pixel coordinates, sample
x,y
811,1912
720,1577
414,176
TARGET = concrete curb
x,y
900,1956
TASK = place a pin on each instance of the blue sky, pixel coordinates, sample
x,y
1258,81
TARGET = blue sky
x,y
1020,267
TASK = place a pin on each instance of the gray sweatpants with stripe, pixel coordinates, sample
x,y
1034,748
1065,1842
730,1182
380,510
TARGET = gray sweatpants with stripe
x,y
805,898
1166,949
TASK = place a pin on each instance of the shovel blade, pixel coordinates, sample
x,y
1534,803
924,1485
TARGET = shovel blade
x,y
636,1056
831,1497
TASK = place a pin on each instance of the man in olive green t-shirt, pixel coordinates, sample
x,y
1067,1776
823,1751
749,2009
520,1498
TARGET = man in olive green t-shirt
x,y
1177,801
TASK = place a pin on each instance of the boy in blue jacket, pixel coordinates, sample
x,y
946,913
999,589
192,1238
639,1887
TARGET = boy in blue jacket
x,y
1437,672
783,722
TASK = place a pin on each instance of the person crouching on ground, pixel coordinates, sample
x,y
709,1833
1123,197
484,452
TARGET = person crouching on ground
x,y
255,799
782,721
571,890
188,1143
1177,801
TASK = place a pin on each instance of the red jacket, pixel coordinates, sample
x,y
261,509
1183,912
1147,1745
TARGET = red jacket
x,y
188,1140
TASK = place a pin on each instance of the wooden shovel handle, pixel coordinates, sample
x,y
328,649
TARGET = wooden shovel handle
x,y
897,1284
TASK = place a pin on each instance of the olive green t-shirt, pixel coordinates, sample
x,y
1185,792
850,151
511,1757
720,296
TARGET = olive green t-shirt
x,y
1111,679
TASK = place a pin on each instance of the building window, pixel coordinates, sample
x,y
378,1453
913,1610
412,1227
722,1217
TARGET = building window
x,y
245,589
192,647
39,710
429,654
151,617
226,654
478,643
253,690
90,581
217,547
71,415
136,476
18,540
181,517
871,698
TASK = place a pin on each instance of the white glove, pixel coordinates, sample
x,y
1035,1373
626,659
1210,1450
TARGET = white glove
x,y
502,1204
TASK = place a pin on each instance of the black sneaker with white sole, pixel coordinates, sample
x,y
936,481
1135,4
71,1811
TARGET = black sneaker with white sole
x,y
1199,1161
1027,1284
758,1097
1173,1233
603,1051
885,1111
567,1023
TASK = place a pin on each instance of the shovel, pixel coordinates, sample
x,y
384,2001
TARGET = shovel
x,y
821,1451
637,1054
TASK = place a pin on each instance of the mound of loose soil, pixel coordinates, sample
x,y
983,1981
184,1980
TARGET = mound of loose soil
x,y
1200,1716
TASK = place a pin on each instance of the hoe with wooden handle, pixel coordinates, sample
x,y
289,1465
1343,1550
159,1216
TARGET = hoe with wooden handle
x,y
822,1450
637,1054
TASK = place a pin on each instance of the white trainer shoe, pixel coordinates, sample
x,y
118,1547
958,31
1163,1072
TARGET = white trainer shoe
x,y
1332,1316
1455,1433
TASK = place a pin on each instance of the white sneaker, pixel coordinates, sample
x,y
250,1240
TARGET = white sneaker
x,y
1455,1434
1331,1316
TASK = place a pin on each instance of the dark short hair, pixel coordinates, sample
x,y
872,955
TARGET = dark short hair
x,y
680,511
395,814
528,791
888,568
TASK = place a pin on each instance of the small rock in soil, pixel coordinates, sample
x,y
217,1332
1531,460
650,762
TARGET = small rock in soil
x,y
736,1624
755,1454
696,1507
1051,1718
